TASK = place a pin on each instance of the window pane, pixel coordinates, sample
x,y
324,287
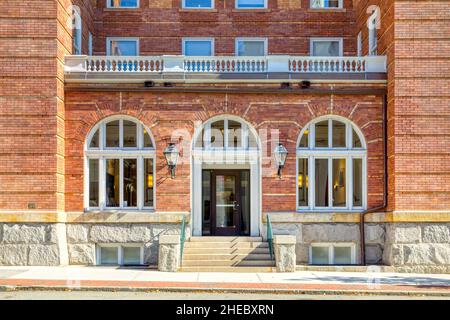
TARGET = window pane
x,y
149,182
342,255
197,4
303,182
112,182
326,48
324,3
251,48
131,255
147,140
338,134
108,255
217,134
206,201
95,140
122,3
339,199
234,134
321,179
112,134
304,139
357,182
319,255
245,201
93,182
250,3
356,140
129,134
322,134
198,48
123,48
129,183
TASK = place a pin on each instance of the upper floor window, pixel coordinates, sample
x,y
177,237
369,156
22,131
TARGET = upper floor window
x,y
359,44
198,47
251,47
123,3
251,4
122,47
120,165
198,4
373,41
331,166
326,47
90,40
326,4
77,31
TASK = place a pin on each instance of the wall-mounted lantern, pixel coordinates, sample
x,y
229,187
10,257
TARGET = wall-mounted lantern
x,y
171,153
280,154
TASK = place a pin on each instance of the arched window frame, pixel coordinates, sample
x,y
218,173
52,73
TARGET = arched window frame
x,y
103,153
349,153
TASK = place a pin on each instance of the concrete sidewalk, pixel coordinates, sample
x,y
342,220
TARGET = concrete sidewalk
x,y
144,279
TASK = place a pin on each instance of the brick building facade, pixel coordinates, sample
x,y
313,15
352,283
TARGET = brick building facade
x,y
376,116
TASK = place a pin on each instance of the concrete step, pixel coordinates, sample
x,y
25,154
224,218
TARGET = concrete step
x,y
252,269
188,250
210,245
231,257
225,239
228,263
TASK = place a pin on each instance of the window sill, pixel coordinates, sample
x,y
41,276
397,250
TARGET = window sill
x,y
120,211
198,10
253,10
121,9
327,10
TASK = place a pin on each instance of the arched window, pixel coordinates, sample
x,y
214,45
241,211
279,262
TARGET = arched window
x,y
226,132
331,166
120,166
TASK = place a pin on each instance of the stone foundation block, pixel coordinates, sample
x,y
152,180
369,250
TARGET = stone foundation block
x,y
426,254
44,255
77,233
13,254
119,233
403,233
25,233
169,253
374,234
374,254
285,256
330,232
81,254
436,233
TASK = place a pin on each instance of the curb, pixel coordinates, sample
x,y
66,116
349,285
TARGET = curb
x,y
9,288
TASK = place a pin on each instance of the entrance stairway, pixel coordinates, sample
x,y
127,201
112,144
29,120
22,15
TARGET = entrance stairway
x,y
226,254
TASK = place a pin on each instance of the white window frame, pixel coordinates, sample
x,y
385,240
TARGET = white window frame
x,y
184,6
340,6
109,39
119,247
78,42
323,39
331,246
237,40
109,6
359,44
236,6
348,153
102,153
197,39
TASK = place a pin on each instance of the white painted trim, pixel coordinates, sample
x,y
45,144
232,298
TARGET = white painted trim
x,y
109,39
109,6
359,44
340,6
236,6
237,40
331,246
195,39
183,5
326,39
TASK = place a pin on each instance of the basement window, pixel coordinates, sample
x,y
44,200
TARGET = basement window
x,y
332,254
116,254
198,4
123,3
251,4
326,4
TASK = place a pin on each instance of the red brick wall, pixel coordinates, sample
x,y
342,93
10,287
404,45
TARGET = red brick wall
x,y
165,112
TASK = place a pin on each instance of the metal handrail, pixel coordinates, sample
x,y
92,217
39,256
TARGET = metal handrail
x,y
270,236
182,238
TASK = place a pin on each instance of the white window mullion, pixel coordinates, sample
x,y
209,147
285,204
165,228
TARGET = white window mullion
x,y
102,181
364,182
140,182
330,183
349,182
330,133
208,136
102,137
121,133
87,195
140,137
348,136
244,136
312,136
311,183
121,187
225,133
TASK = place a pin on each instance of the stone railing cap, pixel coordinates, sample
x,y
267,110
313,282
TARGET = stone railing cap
x,y
284,239
169,239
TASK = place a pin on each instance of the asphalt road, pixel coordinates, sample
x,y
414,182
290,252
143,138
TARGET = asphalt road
x,y
107,295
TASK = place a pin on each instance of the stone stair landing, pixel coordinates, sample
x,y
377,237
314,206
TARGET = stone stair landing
x,y
226,254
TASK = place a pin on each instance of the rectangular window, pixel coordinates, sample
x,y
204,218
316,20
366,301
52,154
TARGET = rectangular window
x,y
251,47
131,256
332,253
117,254
77,40
129,183
326,47
339,183
123,3
339,134
129,134
93,182
198,4
112,183
122,47
251,4
357,182
326,4
109,255
321,181
198,47
322,134
303,182
234,134
217,134
113,134
148,181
